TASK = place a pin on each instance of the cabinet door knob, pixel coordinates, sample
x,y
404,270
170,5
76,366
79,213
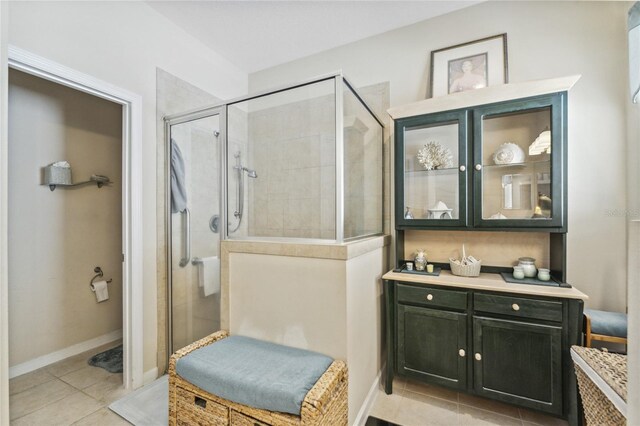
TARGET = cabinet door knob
x,y
463,168
515,307
429,296
478,167
462,353
478,356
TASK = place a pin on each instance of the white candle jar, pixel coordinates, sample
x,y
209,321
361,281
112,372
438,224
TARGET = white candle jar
x,y
528,265
518,272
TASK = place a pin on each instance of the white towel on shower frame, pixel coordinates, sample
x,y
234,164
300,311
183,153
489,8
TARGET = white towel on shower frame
x,y
209,275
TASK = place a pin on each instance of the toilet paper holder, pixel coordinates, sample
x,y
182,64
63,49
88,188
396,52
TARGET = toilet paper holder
x,y
99,274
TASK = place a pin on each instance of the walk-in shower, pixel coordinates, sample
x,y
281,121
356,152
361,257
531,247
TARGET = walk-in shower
x,y
317,148
302,163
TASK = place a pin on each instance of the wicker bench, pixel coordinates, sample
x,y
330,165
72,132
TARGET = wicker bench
x,y
324,404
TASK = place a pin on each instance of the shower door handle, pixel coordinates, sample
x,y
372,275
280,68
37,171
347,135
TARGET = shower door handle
x,y
186,235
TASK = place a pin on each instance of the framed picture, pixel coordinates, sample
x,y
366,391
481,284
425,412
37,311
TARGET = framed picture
x,y
469,66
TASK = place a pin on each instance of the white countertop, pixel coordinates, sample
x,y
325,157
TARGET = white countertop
x,y
489,282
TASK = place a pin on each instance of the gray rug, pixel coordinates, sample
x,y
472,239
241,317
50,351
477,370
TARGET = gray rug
x,y
148,406
110,360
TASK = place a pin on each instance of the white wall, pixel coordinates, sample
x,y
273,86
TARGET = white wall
x,y
546,39
123,43
330,305
4,305
365,313
57,238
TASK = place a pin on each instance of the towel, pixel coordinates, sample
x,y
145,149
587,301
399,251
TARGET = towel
x,y
209,275
102,291
178,187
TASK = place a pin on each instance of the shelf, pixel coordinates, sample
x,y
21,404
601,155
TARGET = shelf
x,y
449,170
100,182
518,165
484,96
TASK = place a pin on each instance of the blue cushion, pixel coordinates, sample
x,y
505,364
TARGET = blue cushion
x,y
608,323
254,373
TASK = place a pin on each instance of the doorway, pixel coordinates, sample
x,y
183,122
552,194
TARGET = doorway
x,y
131,183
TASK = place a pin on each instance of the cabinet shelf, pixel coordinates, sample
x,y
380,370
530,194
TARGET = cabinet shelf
x,y
447,171
534,164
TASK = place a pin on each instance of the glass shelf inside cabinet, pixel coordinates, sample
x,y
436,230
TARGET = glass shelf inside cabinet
x,y
449,170
516,166
431,177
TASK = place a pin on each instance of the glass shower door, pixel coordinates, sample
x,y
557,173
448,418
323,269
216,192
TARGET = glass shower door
x,y
194,286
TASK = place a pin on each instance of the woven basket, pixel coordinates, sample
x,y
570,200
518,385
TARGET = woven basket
x,y
324,405
472,270
598,409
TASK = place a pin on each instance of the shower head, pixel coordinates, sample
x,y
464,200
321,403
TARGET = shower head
x,y
251,173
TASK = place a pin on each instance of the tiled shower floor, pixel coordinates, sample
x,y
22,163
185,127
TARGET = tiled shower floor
x,y
416,404
67,392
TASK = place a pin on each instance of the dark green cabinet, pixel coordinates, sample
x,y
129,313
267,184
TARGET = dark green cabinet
x,y
518,362
527,192
420,187
495,166
509,347
432,345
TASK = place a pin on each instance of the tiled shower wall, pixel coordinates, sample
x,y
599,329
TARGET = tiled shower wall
x,y
292,148
363,159
237,136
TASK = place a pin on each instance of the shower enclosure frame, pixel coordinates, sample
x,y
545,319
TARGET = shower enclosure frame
x,y
221,110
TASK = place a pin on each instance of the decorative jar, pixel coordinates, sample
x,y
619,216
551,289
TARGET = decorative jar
x,y
544,274
528,266
518,272
420,260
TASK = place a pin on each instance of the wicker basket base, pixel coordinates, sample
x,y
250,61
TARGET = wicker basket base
x,y
598,409
324,405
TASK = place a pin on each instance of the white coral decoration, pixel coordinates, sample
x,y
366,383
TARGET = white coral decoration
x,y
434,156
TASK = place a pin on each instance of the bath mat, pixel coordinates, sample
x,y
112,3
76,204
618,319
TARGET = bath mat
x,y
110,360
147,406
374,421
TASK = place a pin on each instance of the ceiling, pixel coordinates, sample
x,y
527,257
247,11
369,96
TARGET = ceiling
x,y
255,35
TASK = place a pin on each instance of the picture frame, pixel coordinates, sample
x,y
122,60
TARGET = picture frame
x,y
468,66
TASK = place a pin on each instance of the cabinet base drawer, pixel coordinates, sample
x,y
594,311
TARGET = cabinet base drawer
x,y
239,419
518,307
427,296
195,410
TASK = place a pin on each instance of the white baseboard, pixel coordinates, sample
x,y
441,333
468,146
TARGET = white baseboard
x,y
150,375
78,348
368,402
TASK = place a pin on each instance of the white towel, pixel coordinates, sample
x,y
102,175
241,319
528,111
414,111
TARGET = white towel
x,y
209,275
102,291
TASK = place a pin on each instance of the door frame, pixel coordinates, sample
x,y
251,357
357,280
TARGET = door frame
x,y
132,236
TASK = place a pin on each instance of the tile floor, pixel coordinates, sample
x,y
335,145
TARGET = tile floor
x,y
71,392
413,403
65,393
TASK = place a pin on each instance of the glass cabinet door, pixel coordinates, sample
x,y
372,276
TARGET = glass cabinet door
x,y
431,170
518,155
